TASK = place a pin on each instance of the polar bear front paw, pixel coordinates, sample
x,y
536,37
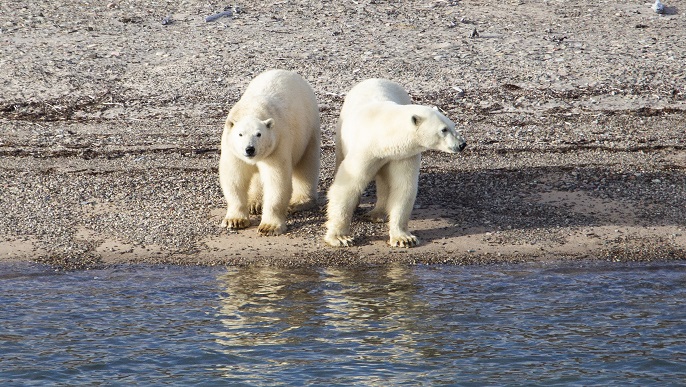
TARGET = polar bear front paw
x,y
236,223
339,240
271,229
403,240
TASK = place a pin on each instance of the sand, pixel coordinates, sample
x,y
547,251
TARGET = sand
x,y
574,113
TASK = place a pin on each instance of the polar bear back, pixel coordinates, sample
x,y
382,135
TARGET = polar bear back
x,y
289,100
378,120
359,102
281,85
374,90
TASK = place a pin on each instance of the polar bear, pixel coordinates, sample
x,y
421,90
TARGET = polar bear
x,y
381,135
270,152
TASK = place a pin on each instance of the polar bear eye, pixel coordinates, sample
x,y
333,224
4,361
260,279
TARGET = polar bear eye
x,y
444,130
259,134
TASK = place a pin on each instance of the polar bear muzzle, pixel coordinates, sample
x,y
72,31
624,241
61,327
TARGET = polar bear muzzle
x,y
459,147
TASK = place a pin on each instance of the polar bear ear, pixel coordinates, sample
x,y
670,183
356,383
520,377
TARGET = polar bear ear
x,y
269,122
229,123
417,120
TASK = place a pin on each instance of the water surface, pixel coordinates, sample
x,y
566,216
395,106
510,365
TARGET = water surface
x,y
576,324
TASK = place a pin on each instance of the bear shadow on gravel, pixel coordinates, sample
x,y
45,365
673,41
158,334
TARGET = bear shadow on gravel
x,y
533,199
512,201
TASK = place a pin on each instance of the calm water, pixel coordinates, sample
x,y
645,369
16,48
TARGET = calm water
x,y
587,324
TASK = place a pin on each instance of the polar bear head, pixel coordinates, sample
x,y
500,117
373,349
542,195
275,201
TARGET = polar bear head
x,y
436,131
251,139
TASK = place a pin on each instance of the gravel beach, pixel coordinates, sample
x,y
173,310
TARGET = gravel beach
x,y
574,113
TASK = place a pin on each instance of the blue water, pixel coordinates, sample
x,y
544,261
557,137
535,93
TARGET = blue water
x,y
575,324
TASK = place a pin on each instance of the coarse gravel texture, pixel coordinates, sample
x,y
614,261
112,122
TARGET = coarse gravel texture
x,y
574,112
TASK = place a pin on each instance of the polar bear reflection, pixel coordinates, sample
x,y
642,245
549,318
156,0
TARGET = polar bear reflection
x,y
318,315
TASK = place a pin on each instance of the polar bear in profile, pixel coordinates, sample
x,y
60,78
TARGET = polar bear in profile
x,y
270,152
381,135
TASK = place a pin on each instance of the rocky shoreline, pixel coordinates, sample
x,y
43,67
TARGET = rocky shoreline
x,y
575,115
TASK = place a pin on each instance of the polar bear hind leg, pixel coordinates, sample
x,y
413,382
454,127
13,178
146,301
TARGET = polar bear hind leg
x,y
351,179
305,178
380,212
255,195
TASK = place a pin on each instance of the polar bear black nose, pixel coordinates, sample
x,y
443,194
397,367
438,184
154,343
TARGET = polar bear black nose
x,y
250,150
462,146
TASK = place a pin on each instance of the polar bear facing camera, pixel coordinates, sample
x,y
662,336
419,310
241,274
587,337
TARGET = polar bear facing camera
x,y
381,136
270,152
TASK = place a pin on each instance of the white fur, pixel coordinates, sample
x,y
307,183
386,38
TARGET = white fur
x,y
278,118
381,136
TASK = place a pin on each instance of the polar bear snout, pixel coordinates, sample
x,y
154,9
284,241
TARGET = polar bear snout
x,y
458,146
250,151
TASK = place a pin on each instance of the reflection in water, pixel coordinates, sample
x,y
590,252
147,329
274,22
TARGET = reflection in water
x,y
356,317
431,325
258,307
391,325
